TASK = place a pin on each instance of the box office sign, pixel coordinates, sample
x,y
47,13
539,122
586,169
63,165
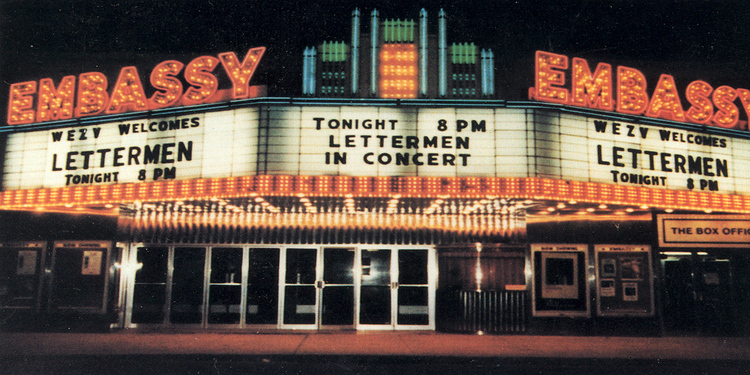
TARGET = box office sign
x,y
624,286
704,230
560,286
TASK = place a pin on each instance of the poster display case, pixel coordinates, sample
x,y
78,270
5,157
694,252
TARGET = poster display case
x,y
21,274
624,280
560,285
80,276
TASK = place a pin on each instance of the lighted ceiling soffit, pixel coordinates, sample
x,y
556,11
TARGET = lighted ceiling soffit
x,y
558,211
479,216
300,204
533,211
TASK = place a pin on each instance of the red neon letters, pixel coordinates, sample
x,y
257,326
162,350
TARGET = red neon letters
x,y
596,91
128,93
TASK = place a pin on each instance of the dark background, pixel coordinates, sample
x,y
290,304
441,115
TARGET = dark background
x,y
708,40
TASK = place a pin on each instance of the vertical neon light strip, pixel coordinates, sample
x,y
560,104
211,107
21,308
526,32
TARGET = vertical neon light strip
x,y
491,72
355,51
484,72
306,72
308,69
442,58
313,58
478,275
423,52
488,72
374,53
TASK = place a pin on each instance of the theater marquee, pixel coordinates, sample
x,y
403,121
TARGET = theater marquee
x,y
406,141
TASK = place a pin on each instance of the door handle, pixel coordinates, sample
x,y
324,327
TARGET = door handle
x,y
394,285
320,284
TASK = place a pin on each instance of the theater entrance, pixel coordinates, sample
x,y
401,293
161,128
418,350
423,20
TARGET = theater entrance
x,y
357,287
704,292
287,287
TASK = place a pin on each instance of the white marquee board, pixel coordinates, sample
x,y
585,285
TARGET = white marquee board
x,y
381,141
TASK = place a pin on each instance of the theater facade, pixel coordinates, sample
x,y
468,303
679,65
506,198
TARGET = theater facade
x,y
397,192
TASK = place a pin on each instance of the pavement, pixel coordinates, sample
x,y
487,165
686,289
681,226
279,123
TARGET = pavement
x,y
353,343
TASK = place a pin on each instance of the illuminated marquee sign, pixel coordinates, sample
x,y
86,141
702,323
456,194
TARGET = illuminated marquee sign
x,y
381,141
41,101
213,144
624,91
304,140
630,154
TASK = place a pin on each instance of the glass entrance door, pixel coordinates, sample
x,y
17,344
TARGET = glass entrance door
x,y
319,288
262,287
186,293
300,293
375,296
395,290
337,288
225,286
150,286
413,289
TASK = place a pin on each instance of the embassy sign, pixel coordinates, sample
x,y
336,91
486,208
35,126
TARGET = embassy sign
x,y
86,95
624,91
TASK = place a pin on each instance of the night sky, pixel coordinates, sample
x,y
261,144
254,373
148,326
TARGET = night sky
x,y
708,40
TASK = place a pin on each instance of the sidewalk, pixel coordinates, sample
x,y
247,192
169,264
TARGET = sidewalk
x,y
372,343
